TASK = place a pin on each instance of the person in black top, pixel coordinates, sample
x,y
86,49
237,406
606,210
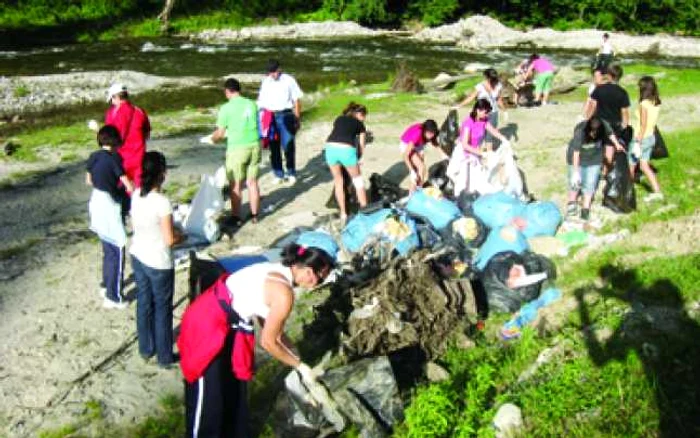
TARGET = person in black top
x,y
584,158
104,173
344,147
611,103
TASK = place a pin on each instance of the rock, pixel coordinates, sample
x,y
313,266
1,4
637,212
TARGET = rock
x,y
463,341
484,33
10,148
16,119
310,30
568,79
406,80
508,421
436,373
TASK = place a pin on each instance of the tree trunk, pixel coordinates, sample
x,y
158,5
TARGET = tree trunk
x,y
164,15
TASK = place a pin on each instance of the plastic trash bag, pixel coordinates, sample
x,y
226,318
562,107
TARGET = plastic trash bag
x,y
365,392
500,240
542,219
383,225
384,191
500,297
660,150
497,209
502,172
320,240
437,177
618,194
434,209
206,206
449,132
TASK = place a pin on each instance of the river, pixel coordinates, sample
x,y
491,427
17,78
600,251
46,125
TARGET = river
x,y
314,63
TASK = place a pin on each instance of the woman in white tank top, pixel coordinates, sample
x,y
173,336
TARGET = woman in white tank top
x,y
263,291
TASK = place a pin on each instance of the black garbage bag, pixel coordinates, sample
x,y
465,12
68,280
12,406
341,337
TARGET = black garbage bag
x,y
437,177
384,191
660,150
499,296
202,274
465,202
365,392
449,132
618,194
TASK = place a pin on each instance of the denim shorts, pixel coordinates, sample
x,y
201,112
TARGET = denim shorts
x,y
345,156
647,146
590,176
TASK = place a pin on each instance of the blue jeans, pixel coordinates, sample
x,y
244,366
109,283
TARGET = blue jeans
x,y
590,176
285,123
154,311
113,270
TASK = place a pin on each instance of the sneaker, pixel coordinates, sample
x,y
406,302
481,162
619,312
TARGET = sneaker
x,y
585,214
277,180
571,209
109,304
102,292
656,196
291,179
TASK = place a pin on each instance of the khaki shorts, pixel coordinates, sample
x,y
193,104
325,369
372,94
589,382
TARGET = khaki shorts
x,y
243,163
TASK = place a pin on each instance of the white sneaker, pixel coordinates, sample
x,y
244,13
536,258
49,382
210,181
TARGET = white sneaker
x,y
291,179
109,304
102,292
651,197
277,180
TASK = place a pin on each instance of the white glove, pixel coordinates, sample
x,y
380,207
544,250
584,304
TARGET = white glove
x,y
93,125
506,143
206,139
575,182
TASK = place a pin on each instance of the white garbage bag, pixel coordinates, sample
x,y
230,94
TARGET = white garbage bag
x,y
205,207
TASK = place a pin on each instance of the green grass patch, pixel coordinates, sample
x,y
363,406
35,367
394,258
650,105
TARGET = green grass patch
x,y
21,91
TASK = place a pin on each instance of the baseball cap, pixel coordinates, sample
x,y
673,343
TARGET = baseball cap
x,y
116,88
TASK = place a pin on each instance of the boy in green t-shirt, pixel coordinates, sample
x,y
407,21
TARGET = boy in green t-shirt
x,y
238,122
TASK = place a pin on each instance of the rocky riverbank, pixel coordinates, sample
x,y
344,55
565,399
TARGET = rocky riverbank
x,y
22,94
311,30
480,32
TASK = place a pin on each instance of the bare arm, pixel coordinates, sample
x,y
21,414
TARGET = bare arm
x,y
218,135
625,116
88,179
361,145
495,132
297,109
576,160
280,299
127,183
468,99
407,155
590,108
168,231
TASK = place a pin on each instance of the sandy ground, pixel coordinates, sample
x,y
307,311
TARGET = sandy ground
x,y
56,336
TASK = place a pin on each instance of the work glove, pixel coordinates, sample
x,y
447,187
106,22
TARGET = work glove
x,y
93,125
206,139
575,181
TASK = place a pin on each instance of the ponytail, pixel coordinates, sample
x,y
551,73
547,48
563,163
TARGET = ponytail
x,y
354,108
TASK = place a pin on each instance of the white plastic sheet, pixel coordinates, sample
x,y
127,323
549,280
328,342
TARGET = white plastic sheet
x,y
206,206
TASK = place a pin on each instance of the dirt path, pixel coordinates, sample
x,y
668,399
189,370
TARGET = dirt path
x,y
54,330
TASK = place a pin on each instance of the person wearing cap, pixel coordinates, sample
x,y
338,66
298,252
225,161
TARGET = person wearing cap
x,y
215,343
133,126
238,122
280,94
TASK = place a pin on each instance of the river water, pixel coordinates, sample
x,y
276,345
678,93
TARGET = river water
x,y
312,62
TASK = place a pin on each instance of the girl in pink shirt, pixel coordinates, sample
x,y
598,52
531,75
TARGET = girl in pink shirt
x,y
413,142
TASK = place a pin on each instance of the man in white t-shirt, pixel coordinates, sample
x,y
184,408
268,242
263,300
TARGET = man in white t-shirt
x,y
280,94
605,53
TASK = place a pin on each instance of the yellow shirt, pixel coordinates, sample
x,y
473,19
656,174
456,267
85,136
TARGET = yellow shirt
x,y
652,117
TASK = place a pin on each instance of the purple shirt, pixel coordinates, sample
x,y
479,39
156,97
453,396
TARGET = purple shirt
x,y
414,134
542,65
477,130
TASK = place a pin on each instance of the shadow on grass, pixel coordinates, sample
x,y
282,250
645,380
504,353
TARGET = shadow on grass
x,y
664,337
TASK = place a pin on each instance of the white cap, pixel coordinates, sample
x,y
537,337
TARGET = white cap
x,y
115,89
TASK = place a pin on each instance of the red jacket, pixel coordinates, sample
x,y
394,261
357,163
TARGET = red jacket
x,y
134,128
205,325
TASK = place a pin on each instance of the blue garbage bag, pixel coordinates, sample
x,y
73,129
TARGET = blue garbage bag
x,y
497,209
500,240
234,263
542,219
364,227
438,212
320,240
